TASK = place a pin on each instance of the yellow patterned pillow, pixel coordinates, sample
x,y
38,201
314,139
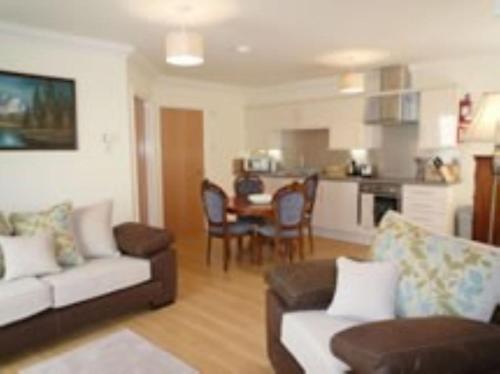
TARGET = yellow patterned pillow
x,y
55,220
4,230
4,225
440,275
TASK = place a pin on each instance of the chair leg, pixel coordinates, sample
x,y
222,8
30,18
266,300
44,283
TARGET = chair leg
x,y
310,236
209,249
290,249
227,253
240,248
301,247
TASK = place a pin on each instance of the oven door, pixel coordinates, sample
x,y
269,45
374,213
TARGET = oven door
x,y
382,204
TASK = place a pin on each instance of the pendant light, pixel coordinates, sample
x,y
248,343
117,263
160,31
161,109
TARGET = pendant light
x,y
184,48
351,83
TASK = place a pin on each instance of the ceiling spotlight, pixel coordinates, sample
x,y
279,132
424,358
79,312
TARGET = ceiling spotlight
x,y
184,48
243,49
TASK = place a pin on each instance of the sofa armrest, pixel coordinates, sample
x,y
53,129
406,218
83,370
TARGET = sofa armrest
x,y
136,239
418,346
308,285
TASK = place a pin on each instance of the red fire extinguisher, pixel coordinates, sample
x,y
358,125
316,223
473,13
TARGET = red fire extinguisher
x,y
464,116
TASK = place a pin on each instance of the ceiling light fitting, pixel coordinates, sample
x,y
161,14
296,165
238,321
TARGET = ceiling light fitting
x,y
351,83
184,48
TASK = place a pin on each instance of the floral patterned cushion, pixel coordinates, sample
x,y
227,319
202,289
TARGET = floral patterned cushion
x,y
440,275
4,230
4,225
55,220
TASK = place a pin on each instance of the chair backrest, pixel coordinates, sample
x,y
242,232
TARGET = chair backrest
x,y
247,184
214,201
289,206
310,190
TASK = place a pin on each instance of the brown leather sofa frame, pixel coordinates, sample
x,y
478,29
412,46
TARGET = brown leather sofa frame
x,y
133,239
311,285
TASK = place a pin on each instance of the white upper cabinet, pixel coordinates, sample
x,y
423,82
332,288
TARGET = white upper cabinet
x,y
438,119
342,116
264,125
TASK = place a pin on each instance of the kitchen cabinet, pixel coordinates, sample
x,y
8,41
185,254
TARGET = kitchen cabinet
x,y
438,119
337,206
431,207
262,132
342,116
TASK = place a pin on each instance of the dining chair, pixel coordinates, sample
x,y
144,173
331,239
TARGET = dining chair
x,y
246,184
310,190
215,202
286,228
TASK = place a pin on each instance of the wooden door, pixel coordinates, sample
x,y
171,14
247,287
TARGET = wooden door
x,y
142,176
484,181
182,162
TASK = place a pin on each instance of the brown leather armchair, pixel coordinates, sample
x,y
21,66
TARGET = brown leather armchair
x,y
443,345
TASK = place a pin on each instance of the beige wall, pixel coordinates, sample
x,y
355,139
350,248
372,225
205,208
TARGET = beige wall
x,y
223,116
33,180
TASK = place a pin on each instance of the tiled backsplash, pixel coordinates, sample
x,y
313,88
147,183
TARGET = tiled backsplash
x,y
309,149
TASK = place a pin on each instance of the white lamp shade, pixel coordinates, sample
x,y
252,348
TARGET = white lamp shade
x,y
184,48
486,119
351,83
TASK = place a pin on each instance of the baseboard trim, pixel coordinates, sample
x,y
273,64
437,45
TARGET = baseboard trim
x,y
357,237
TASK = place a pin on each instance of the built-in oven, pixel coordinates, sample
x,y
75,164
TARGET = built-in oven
x,y
375,199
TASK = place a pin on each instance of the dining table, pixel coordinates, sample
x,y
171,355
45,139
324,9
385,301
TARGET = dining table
x,y
243,207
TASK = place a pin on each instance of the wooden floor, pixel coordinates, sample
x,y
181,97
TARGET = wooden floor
x,y
217,324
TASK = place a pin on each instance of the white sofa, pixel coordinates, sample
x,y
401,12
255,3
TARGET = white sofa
x,y
26,297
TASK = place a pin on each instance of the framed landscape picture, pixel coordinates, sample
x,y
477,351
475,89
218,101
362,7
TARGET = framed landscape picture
x,y
37,112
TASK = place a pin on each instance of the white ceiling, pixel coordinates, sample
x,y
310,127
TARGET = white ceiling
x,y
290,39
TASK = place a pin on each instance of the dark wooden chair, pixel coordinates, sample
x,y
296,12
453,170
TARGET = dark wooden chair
x,y
310,190
246,184
215,202
286,229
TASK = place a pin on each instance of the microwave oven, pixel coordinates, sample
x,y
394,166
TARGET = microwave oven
x,y
259,164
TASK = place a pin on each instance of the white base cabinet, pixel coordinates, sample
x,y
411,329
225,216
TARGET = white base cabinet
x,y
431,207
337,206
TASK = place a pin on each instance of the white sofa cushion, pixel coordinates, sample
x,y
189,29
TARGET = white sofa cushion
x,y
365,290
93,230
22,298
96,278
28,256
307,335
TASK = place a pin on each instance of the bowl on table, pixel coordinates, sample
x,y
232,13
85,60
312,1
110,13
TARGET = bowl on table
x,y
260,198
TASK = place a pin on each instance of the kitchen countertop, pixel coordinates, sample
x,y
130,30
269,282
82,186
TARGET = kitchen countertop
x,y
408,181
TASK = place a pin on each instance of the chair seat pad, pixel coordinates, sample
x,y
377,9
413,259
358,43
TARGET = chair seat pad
x,y
252,220
270,232
233,228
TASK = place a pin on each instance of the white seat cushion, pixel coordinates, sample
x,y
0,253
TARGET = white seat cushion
x,y
307,336
23,298
96,278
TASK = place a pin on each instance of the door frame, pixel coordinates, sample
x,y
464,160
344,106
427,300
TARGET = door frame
x,y
160,193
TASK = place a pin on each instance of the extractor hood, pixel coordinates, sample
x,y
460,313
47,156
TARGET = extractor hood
x,y
393,103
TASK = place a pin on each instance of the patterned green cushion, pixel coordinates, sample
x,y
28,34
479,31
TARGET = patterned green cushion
x,y
4,225
56,220
440,275
4,230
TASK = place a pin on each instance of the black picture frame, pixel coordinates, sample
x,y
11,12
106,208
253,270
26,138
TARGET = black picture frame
x,y
37,112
